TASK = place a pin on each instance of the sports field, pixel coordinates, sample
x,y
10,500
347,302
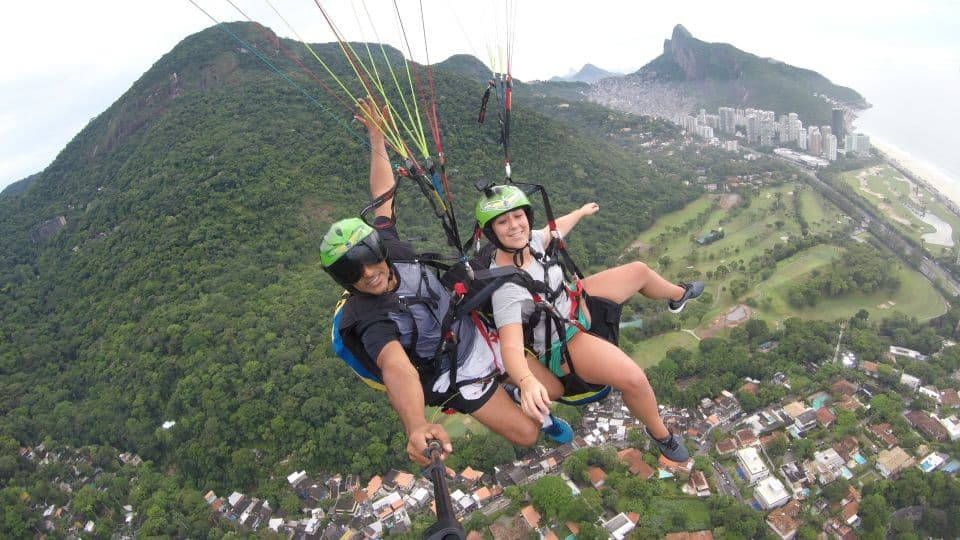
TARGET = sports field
x,y
650,351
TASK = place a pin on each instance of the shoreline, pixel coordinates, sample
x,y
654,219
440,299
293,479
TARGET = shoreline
x,y
940,184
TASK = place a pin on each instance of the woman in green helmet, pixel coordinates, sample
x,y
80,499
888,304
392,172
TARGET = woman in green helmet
x,y
392,324
568,354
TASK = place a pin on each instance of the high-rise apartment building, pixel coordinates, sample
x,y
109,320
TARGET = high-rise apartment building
x,y
753,128
814,141
794,127
831,147
728,120
837,123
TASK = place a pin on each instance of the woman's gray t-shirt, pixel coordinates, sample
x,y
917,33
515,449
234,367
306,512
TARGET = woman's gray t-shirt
x,y
513,303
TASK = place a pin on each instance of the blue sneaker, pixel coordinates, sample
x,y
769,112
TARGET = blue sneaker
x,y
691,291
559,431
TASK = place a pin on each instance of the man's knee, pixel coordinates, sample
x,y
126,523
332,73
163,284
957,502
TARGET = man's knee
x,y
525,434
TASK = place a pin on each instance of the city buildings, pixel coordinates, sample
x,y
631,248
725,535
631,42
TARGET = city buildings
x,y
764,128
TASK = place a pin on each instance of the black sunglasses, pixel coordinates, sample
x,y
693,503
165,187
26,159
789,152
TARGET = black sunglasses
x,y
348,269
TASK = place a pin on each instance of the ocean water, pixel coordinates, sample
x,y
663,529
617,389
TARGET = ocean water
x,y
916,110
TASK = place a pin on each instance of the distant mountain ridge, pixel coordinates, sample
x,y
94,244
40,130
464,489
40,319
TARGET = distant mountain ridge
x,y
466,65
692,74
589,74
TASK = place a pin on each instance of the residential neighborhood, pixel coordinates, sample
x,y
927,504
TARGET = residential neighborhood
x,y
781,460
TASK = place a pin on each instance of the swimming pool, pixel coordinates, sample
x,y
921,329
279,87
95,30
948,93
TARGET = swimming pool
x,y
859,459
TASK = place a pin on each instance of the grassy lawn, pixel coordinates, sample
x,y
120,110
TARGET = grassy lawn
x,y
651,350
748,231
916,295
675,219
820,214
457,425
696,512
868,478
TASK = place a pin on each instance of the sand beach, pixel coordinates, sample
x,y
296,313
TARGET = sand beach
x,y
933,178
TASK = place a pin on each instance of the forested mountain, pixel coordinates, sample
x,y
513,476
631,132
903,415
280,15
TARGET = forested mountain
x,y
693,74
165,266
18,187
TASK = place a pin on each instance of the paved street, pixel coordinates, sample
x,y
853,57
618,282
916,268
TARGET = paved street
x,y
724,482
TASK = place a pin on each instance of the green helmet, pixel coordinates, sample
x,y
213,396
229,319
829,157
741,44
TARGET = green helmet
x,y
500,200
347,247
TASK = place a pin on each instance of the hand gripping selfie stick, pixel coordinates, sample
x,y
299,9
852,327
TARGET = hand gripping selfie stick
x,y
447,527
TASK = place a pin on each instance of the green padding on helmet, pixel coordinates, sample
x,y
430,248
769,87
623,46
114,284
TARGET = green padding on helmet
x,y
501,200
342,236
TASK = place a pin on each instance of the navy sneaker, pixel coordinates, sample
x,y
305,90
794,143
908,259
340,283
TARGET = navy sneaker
x,y
672,447
691,291
559,431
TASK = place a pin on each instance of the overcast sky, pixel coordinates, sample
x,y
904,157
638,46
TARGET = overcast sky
x,y
65,62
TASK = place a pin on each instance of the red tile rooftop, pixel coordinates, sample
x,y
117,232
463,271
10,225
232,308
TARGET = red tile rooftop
x,y
825,417
531,516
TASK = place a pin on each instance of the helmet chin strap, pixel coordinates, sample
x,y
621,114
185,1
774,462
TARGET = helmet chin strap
x,y
517,253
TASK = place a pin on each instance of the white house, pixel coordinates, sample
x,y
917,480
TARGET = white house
x,y
771,493
910,381
828,464
619,526
751,464
951,424
930,392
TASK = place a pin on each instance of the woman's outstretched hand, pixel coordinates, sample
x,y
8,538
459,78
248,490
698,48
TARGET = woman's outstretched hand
x,y
590,208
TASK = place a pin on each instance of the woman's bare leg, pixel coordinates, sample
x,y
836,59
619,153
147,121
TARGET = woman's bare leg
x,y
600,362
621,282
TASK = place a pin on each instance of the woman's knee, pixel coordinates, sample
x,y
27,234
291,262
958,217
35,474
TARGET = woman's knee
x,y
633,381
639,269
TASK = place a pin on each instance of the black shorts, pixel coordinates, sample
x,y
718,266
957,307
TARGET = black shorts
x,y
605,324
466,399
605,318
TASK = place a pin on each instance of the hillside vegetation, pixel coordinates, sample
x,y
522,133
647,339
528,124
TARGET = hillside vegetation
x,y
184,284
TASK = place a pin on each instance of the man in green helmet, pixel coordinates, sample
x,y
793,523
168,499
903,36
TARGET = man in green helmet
x,y
393,320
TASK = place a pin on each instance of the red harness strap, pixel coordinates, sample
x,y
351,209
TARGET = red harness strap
x,y
497,361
